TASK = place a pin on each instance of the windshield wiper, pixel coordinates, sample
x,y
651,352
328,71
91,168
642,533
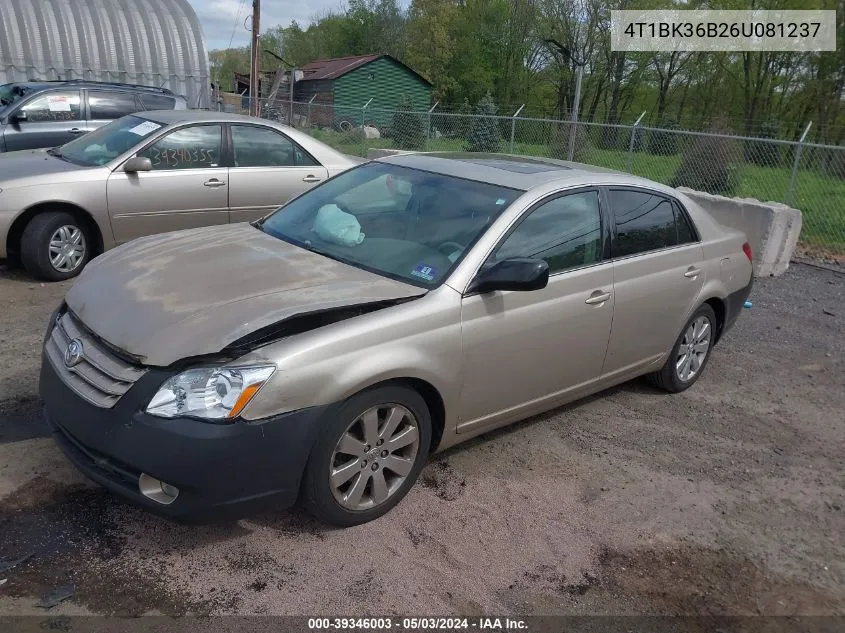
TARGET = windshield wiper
x,y
309,245
57,152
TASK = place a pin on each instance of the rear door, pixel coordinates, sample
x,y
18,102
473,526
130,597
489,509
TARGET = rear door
x,y
187,187
104,106
267,169
658,270
52,118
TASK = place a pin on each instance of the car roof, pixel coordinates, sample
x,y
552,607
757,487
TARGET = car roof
x,y
83,83
168,117
516,172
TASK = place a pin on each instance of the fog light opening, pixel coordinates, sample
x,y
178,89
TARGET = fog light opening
x,y
157,490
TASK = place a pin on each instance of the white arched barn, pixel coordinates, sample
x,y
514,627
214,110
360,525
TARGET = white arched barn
x,y
147,42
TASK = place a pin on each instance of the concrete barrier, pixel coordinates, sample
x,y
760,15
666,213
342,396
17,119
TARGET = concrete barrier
x,y
772,227
375,152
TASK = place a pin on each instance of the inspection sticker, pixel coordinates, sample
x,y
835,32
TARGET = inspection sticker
x,y
142,129
424,271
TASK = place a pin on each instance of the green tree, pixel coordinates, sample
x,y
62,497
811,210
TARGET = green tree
x,y
710,164
408,130
484,133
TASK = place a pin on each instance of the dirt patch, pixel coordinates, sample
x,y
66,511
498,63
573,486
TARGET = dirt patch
x,y
441,478
724,500
67,536
709,582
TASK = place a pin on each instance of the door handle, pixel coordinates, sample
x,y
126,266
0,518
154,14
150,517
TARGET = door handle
x,y
597,298
214,183
76,130
311,178
692,273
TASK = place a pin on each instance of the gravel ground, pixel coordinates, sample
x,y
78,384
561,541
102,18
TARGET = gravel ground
x,y
726,499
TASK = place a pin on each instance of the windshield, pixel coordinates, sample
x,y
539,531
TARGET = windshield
x,y
406,224
10,93
108,142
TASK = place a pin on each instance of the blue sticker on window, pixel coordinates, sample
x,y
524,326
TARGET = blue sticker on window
x,y
424,271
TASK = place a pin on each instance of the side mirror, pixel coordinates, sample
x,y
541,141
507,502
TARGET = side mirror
x,y
19,117
512,274
136,164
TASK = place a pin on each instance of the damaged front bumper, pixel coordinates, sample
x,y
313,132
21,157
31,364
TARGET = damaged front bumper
x,y
221,471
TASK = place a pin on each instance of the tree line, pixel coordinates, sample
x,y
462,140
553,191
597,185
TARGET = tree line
x,y
469,48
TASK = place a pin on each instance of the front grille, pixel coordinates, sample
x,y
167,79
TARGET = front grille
x,y
100,377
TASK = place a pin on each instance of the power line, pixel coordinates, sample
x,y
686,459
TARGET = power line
x,y
235,24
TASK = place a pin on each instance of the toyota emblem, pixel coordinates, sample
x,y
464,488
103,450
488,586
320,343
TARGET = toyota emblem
x,y
73,353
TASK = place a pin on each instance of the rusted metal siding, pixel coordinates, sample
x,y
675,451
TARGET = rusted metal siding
x,y
147,42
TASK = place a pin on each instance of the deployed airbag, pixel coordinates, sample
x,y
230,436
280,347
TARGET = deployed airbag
x,y
334,225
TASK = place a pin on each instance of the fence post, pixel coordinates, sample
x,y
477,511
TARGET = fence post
x,y
576,106
790,193
513,124
430,110
308,113
363,120
631,143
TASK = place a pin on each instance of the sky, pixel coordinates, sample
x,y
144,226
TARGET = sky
x,y
218,17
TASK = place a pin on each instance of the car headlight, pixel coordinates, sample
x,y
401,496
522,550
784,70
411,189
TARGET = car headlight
x,y
213,393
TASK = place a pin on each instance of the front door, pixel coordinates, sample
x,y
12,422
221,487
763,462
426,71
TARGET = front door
x,y
658,275
187,187
267,170
52,119
526,351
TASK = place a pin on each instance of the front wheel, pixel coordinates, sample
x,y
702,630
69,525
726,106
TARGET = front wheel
x,y
368,456
690,353
55,246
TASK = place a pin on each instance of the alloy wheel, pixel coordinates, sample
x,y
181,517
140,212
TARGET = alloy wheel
x,y
374,456
693,349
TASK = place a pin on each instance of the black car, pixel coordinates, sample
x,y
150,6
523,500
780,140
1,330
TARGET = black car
x,y
38,114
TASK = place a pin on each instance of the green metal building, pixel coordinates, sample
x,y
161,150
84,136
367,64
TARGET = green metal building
x,y
341,87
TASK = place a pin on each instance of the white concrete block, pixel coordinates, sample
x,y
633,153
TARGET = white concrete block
x,y
772,228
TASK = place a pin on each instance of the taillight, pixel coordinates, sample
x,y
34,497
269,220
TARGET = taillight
x,y
746,248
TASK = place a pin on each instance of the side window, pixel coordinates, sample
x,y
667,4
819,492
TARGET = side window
x,y
54,106
644,222
110,105
193,147
262,147
157,102
566,232
685,233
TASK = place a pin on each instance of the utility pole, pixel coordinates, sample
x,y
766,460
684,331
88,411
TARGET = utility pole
x,y
255,57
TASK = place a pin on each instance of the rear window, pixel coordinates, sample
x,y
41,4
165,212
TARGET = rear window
x,y
157,102
644,222
107,104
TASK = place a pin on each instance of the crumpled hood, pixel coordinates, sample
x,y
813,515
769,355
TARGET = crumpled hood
x,y
175,295
32,162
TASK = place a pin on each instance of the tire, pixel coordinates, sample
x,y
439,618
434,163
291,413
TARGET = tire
x,y
353,498
670,377
36,243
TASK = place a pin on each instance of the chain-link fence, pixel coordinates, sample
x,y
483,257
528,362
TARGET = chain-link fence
x,y
808,176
